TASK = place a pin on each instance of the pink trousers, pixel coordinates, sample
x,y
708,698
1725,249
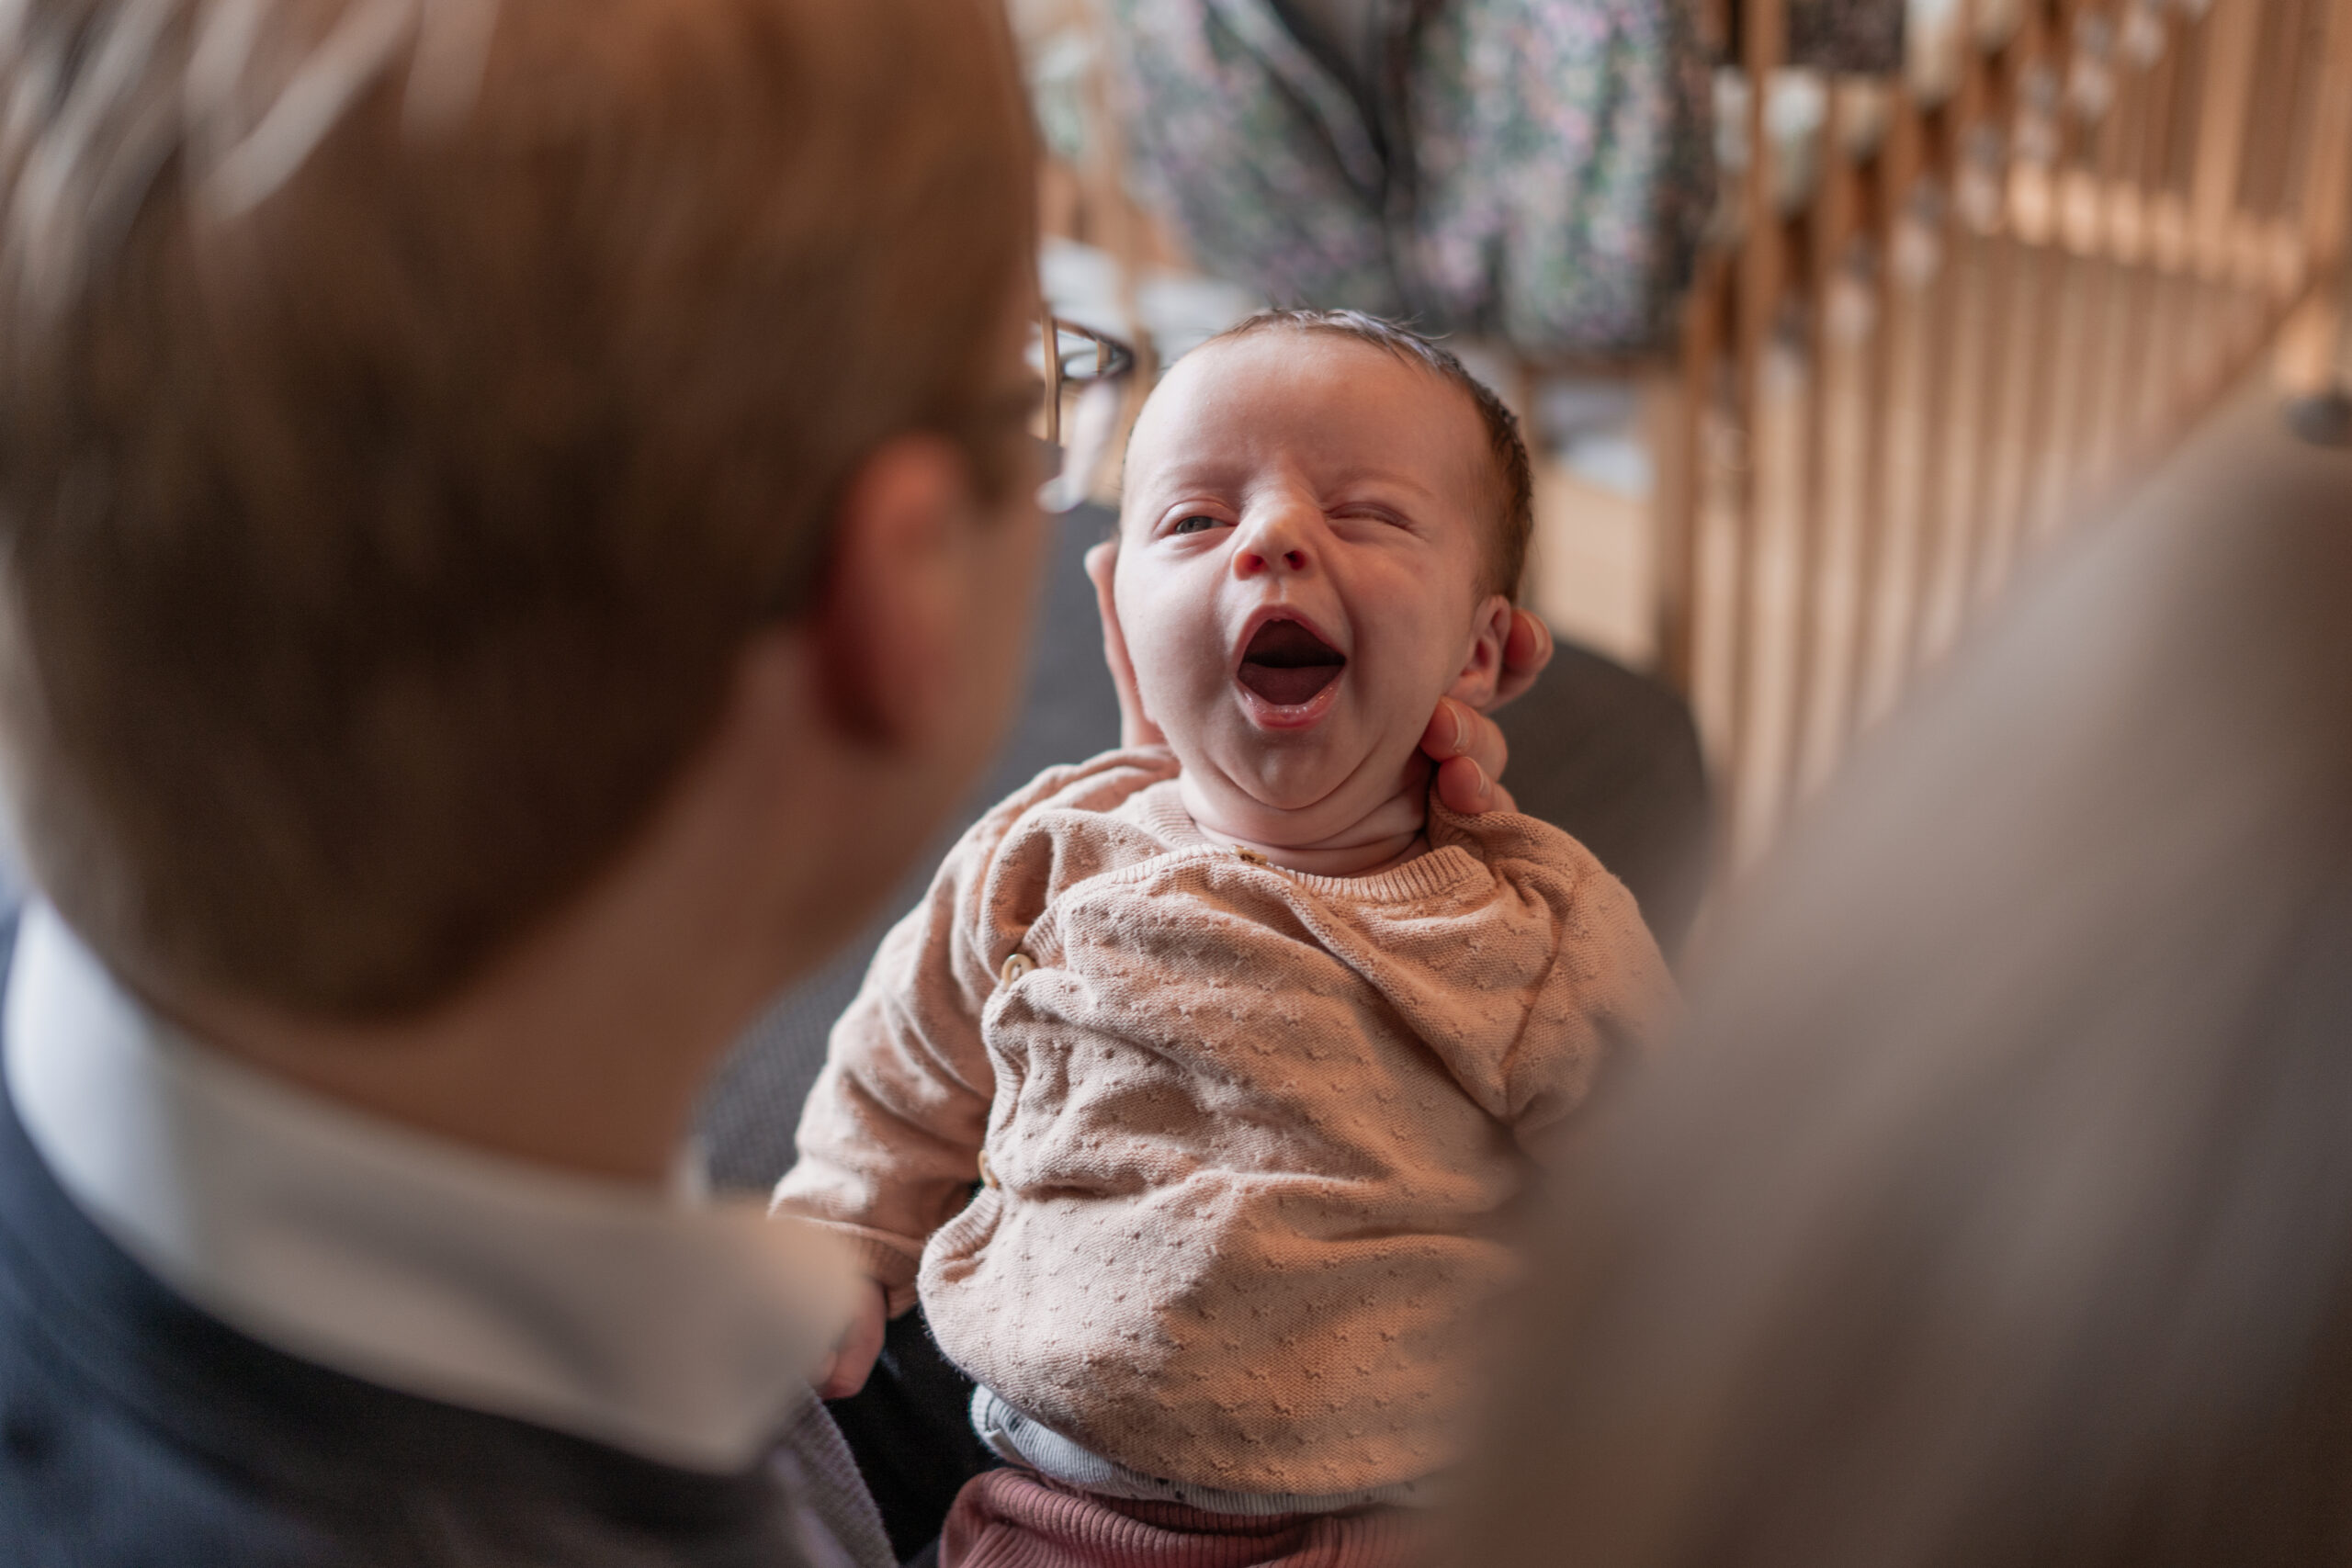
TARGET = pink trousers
x,y
1015,1519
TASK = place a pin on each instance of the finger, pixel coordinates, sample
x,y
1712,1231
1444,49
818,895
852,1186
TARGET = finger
x,y
1448,734
1456,729
851,1363
1527,649
1529,646
1467,789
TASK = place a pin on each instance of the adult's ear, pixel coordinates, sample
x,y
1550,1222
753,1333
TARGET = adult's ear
x,y
1480,678
894,609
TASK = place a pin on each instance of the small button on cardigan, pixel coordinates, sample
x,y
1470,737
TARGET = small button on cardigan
x,y
1251,1132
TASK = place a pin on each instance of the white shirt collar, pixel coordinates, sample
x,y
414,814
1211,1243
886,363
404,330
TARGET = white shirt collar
x,y
677,1329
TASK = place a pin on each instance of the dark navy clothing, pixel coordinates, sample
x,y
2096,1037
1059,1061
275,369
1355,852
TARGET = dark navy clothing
x,y
137,1430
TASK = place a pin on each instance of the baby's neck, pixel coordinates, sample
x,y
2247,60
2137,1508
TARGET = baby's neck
x,y
1390,834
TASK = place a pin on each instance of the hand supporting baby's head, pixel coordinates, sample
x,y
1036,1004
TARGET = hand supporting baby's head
x,y
1324,522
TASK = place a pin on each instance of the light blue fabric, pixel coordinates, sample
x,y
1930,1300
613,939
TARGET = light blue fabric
x,y
1018,1439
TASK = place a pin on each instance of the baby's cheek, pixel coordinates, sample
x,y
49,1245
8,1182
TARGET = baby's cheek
x,y
1177,670
1425,648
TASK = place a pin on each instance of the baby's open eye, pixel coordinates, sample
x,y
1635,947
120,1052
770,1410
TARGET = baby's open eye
x,y
1199,522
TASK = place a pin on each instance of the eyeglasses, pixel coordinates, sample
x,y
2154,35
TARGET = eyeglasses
x,y
1095,366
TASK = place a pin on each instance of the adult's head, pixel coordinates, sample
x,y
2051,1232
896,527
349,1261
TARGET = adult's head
x,y
426,425
1999,1208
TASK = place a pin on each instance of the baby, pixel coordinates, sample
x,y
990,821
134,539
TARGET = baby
x,y
1245,1038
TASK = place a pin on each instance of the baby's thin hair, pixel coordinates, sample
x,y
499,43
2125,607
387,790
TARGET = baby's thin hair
x,y
1514,483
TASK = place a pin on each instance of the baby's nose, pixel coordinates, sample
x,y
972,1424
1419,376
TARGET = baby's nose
x,y
1264,560
1275,541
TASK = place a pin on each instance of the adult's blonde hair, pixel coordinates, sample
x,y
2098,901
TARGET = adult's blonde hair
x,y
409,407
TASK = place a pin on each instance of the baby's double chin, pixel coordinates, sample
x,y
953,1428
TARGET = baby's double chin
x,y
1333,837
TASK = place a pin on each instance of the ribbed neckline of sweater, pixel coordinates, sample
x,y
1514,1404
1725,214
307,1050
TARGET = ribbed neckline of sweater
x,y
1442,869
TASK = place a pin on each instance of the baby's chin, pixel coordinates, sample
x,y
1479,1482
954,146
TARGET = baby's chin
x,y
1289,797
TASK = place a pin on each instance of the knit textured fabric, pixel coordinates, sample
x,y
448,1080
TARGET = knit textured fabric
x,y
1013,1518
1245,1135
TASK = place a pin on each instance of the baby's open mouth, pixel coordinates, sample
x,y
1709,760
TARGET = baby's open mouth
x,y
1287,664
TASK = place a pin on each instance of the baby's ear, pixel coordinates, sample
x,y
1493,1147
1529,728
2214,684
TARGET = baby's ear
x,y
1482,671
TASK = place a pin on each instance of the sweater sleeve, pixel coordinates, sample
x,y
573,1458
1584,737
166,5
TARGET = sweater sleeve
x,y
890,1135
1606,993
1612,983
890,1140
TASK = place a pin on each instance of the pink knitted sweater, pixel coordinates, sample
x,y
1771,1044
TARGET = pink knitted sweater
x,y
1245,1134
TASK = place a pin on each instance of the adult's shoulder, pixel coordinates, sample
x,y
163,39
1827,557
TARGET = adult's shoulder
x,y
140,1430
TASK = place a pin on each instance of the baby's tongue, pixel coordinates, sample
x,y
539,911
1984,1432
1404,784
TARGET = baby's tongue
x,y
1287,665
1288,688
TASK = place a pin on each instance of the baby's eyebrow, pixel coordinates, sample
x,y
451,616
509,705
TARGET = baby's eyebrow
x,y
1382,477
1206,473
1209,476
1214,473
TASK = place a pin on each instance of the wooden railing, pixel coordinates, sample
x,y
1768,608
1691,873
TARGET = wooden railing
x,y
1983,311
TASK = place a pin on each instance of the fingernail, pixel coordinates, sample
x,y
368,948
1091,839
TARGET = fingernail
x,y
1485,785
1461,739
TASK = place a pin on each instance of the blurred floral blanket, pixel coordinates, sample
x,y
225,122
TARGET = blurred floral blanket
x,y
1535,170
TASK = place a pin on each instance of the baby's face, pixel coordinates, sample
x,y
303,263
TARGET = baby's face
x,y
1304,523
